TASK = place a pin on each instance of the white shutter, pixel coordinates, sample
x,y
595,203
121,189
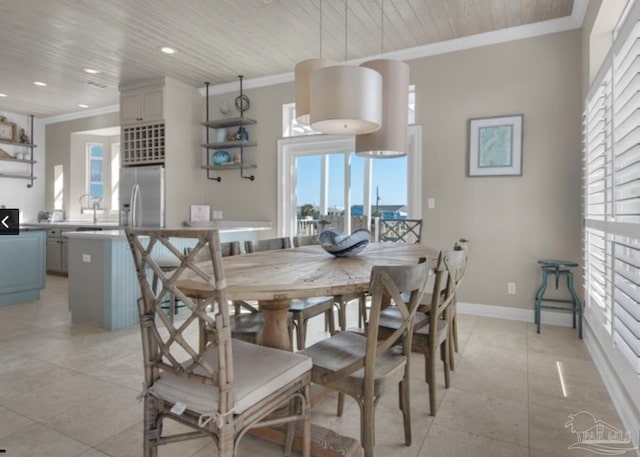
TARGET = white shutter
x,y
612,197
626,125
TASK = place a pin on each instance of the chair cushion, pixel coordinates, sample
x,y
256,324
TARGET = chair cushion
x,y
258,372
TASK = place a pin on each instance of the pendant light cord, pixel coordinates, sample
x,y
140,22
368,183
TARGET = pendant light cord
x,y
346,36
381,28
320,28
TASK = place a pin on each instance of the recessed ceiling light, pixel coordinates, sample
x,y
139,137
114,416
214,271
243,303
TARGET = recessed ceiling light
x,y
82,105
91,71
3,95
168,50
39,83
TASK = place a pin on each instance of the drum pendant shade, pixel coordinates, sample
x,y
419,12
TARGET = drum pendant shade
x,y
346,99
303,72
391,139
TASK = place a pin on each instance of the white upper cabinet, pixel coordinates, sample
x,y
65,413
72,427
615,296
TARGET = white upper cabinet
x,y
141,106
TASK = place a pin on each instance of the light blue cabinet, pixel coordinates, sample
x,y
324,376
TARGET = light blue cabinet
x,y
22,266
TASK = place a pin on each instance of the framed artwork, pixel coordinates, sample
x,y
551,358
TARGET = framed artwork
x,y
8,130
495,146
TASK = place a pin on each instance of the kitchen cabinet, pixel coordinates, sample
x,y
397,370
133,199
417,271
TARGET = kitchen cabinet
x,y
56,252
19,168
23,275
142,106
142,125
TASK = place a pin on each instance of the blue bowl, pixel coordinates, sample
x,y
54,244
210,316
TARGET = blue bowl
x,y
344,245
220,157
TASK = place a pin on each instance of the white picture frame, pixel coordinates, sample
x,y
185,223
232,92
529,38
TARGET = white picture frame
x,y
200,213
495,146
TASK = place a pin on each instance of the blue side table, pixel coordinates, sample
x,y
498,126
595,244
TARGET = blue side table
x,y
558,268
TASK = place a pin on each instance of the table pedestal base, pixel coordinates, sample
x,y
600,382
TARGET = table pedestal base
x,y
324,442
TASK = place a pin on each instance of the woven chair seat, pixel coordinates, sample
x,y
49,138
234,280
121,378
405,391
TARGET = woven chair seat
x,y
258,372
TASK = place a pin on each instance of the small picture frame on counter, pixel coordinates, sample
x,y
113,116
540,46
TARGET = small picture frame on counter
x,y
200,213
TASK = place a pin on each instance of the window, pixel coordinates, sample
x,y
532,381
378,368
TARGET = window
x,y
612,198
115,176
95,170
320,176
58,186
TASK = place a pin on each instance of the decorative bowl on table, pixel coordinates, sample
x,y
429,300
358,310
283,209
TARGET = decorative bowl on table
x,y
342,244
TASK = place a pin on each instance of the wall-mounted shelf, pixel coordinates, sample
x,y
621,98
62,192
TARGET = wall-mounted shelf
x,y
17,176
29,177
19,160
16,143
229,144
231,166
229,122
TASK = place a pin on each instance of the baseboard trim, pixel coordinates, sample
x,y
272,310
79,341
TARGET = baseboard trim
x,y
515,314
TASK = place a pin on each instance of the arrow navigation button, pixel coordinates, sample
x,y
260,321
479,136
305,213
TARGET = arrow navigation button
x,y
9,221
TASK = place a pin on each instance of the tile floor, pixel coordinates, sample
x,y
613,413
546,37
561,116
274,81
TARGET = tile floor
x,y
69,390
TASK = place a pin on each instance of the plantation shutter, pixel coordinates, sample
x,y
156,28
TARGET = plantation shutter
x,y
612,197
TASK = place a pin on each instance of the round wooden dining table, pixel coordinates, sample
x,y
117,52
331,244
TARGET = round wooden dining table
x,y
275,277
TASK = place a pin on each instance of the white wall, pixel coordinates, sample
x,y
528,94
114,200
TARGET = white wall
x,y
14,193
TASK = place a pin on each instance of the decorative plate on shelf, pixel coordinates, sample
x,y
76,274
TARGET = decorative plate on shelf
x,y
220,157
343,245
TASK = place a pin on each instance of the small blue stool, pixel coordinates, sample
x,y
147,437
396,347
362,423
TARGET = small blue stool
x,y
558,268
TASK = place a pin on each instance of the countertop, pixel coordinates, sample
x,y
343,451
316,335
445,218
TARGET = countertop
x,y
71,223
28,228
223,226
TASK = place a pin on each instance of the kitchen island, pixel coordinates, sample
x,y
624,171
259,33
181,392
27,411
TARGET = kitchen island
x,y
103,287
22,265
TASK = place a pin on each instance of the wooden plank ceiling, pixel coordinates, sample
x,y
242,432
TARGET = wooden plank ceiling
x,y
53,40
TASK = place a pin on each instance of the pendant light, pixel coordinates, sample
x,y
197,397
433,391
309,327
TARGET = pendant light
x,y
303,72
391,139
346,99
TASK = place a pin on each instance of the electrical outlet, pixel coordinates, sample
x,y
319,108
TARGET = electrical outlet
x,y
511,288
86,258
431,203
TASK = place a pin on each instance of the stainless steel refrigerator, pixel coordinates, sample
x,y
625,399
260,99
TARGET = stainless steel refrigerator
x,y
142,196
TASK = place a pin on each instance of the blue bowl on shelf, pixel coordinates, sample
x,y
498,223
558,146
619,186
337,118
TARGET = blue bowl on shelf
x,y
220,157
344,245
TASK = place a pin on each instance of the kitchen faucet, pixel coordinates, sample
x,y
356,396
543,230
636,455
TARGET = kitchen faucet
x,y
94,203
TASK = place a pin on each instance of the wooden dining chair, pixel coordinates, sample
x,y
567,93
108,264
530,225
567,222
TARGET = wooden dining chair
x,y
305,240
433,323
400,230
364,367
301,309
461,245
244,326
267,245
340,301
230,387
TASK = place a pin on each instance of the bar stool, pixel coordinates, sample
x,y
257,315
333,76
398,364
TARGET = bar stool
x,y
558,268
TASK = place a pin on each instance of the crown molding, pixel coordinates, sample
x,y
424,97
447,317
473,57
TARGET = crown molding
x,y
572,22
80,114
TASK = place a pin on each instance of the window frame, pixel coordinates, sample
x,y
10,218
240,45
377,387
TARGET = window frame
x,y
292,147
